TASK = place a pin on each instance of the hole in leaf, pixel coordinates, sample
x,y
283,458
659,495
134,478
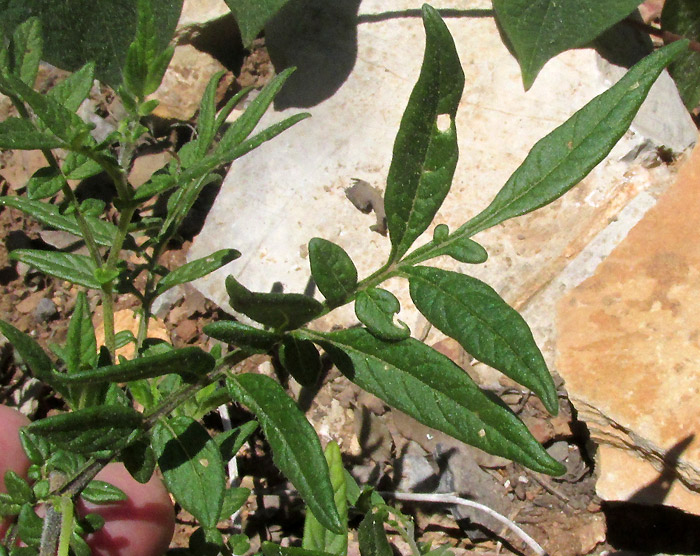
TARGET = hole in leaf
x,y
443,122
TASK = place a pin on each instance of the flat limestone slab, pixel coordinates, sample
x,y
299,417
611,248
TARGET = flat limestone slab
x,y
629,351
278,197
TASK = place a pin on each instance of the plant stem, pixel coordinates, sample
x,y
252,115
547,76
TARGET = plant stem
x,y
667,36
50,532
66,526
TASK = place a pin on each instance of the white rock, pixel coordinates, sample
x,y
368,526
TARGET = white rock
x,y
291,189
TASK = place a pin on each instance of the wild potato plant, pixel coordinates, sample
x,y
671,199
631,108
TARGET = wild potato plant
x,y
176,387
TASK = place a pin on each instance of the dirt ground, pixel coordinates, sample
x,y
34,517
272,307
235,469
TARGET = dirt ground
x,y
380,446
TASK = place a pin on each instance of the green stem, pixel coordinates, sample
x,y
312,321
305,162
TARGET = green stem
x,y
66,526
108,319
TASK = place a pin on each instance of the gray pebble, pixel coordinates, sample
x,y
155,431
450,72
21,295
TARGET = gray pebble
x,y
45,310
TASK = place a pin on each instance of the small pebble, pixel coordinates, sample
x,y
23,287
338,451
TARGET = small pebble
x,y
45,310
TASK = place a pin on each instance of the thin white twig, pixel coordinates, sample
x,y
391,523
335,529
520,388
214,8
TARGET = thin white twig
x,y
232,465
446,498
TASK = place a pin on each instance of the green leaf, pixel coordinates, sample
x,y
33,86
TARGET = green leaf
x,y
332,270
74,89
98,31
29,525
63,123
242,336
252,15
224,155
246,122
192,467
100,492
8,506
425,151
682,17
372,537
158,183
540,29
30,351
26,50
463,249
301,359
78,545
36,448
375,308
80,354
139,460
564,157
50,216
16,133
196,269
277,310
472,313
230,442
81,346
271,549
79,167
146,59
44,183
296,450
77,269
206,120
18,488
239,543
426,385
316,536
88,430
234,498
189,361
206,542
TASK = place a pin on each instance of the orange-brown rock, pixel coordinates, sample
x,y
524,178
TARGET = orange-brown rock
x,y
629,351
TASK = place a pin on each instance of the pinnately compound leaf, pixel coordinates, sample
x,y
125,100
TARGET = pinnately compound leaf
x,y
296,449
425,151
540,29
564,157
192,467
426,385
316,536
375,308
472,313
332,270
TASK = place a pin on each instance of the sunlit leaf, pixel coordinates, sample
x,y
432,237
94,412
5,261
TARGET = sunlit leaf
x,y
296,449
416,379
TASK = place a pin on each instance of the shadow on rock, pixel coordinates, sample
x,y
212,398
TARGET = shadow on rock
x,y
642,525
